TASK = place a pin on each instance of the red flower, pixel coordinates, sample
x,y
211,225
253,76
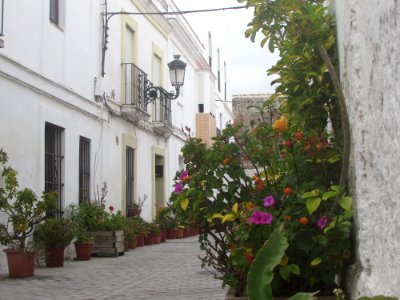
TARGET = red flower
x,y
288,143
298,135
303,220
249,258
288,191
111,208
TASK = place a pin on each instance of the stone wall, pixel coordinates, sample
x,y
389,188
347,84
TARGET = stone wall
x,y
369,44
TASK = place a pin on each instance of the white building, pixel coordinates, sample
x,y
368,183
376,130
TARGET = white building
x,y
66,127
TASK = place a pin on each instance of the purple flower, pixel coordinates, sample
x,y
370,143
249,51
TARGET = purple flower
x,y
259,217
184,175
322,222
178,188
269,201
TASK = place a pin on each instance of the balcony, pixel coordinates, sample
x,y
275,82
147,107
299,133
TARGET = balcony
x,y
161,116
134,106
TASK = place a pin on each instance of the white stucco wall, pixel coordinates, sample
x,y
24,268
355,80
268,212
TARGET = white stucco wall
x,y
369,46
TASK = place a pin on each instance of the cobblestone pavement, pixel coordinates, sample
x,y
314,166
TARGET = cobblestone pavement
x,y
169,271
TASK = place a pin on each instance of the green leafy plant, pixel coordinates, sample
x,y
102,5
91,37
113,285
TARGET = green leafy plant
x,y
54,233
22,208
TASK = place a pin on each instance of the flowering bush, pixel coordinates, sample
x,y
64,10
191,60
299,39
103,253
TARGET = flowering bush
x,y
289,183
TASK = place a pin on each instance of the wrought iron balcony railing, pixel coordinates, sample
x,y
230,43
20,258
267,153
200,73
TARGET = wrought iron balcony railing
x,y
162,110
135,84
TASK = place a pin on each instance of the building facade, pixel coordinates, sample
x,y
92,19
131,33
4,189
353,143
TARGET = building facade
x,y
75,113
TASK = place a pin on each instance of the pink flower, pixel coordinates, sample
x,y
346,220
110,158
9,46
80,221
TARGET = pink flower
x,y
183,175
322,222
178,188
111,208
259,217
269,201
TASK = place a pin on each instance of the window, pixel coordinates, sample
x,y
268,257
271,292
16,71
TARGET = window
x,y
225,80
55,11
54,159
84,170
1,17
130,179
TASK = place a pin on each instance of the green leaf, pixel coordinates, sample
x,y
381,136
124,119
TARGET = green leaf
x,y
285,271
184,203
337,188
316,261
329,195
313,193
312,204
345,202
261,270
302,296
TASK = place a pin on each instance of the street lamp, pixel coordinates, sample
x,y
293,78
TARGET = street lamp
x,y
177,76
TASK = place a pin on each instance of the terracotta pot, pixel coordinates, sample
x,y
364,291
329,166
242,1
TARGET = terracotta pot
x,y
172,233
134,212
180,233
163,236
132,244
140,240
186,233
157,239
20,264
83,251
149,240
55,257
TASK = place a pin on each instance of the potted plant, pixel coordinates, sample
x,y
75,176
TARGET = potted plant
x,y
83,242
23,210
139,229
162,219
54,234
154,231
129,235
135,208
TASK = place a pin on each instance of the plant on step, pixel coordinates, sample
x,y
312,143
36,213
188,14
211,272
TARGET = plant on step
x,y
22,208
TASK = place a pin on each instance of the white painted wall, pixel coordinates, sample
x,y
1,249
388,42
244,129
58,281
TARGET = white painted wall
x,y
369,44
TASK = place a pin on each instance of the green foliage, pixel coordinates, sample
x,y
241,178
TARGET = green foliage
x,y
54,233
261,271
380,297
22,208
153,228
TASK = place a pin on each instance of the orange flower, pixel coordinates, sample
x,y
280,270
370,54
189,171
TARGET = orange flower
x,y
298,135
303,220
288,191
260,186
287,218
280,124
249,205
226,161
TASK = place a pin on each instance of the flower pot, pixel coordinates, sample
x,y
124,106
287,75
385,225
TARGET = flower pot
x,y
157,239
172,233
140,240
83,251
149,240
55,257
132,244
179,235
134,212
20,264
163,236
186,233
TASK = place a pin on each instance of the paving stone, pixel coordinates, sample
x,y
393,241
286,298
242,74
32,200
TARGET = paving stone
x,y
168,271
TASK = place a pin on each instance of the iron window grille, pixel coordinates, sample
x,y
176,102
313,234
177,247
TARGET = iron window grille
x,y
130,156
135,86
54,159
84,170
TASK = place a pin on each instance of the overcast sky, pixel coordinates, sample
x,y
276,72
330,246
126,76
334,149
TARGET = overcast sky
x,y
248,61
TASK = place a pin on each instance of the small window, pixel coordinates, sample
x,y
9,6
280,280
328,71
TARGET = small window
x,y
84,170
54,160
55,12
130,179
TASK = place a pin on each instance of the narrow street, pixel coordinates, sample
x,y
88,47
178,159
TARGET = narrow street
x,y
168,271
